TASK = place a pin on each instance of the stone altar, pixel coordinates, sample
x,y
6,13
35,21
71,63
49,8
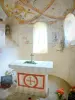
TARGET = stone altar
x,y
32,78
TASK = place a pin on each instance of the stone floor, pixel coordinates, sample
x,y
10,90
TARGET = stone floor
x,y
54,84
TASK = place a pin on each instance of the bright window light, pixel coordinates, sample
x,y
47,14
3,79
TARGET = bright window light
x,y
40,42
69,29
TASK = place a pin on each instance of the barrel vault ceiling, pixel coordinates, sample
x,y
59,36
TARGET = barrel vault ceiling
x,y
31,11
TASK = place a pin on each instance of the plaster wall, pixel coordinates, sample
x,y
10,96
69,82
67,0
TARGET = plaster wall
x,y
64,62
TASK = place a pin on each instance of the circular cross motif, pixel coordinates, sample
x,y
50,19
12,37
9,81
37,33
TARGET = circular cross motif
x,y
30,81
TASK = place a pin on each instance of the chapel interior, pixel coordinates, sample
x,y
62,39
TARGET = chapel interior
x,y
37,39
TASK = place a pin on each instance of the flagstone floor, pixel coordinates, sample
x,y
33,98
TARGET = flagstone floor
x,y
54,84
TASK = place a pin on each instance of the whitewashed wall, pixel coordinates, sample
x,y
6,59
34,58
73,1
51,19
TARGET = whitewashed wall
x,y
63,61
7,54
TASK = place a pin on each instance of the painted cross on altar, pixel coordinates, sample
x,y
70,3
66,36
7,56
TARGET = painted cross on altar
x,y
30,80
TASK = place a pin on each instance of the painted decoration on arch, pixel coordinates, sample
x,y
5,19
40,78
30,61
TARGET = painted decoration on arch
x,y
28,11
18,10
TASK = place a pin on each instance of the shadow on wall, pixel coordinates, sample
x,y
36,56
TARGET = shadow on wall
x,y
50,77
57,83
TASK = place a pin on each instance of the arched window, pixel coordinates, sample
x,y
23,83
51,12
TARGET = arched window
x,y
40,42
69,29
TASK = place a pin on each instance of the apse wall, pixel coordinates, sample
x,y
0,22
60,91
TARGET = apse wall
x,y
63,61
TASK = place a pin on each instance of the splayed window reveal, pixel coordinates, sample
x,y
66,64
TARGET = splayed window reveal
x,y
69,29
40,42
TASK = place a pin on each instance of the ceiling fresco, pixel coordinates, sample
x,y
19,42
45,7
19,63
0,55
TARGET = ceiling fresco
x,y
31,11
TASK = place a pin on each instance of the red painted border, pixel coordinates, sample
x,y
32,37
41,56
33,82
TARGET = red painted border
x,y
43,76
